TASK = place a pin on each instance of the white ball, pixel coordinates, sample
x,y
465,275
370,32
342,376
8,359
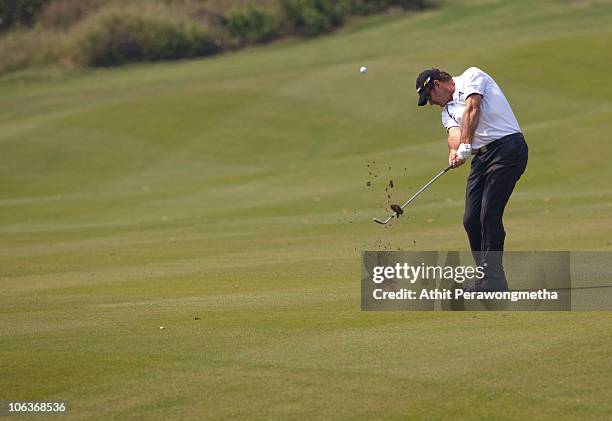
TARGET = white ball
x,y
161,328
363,69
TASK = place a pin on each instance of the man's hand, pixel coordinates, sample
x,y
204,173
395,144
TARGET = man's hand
x,y
453,160
464,151
454,133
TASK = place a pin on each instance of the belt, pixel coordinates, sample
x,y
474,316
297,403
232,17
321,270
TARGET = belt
x,y
496,143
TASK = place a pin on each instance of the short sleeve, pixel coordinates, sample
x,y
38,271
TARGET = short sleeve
x,y
474,81
448,121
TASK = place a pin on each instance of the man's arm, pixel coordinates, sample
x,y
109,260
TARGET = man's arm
x,y
454,139
470,118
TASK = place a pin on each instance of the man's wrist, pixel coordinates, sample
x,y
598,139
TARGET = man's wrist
x,y
464,151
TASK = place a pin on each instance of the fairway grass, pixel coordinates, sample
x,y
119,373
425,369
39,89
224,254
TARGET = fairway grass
x,y
226,200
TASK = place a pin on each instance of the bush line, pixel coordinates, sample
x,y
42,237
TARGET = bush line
x,y
95,33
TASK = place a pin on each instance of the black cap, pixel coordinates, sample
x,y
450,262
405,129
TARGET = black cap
x,y
423,80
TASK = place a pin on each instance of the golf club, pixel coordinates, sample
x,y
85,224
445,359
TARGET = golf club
x,y
398,210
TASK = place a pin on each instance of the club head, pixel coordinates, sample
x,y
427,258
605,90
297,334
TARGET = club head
x,y
397,209
385,222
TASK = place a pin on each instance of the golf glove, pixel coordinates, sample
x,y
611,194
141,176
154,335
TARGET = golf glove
x,y
464,152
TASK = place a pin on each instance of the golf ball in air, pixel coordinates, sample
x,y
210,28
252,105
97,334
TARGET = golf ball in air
x,y
363,69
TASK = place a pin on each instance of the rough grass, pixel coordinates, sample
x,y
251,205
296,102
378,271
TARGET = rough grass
x,y
71,33
94,33
234,189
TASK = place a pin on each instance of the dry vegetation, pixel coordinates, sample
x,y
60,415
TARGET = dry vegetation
x,y
111,32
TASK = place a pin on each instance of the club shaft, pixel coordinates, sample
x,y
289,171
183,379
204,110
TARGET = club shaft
x,y
413,197
425,186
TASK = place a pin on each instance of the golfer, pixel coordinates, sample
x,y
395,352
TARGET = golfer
x,y
480,124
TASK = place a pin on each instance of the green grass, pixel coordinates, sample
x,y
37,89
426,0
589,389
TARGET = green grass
x,y
234,189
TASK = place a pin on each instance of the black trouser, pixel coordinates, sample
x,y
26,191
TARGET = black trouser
x,y
492,178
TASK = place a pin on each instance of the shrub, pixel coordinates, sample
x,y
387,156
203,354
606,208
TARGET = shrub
x,y
312,17
18,12
410,4
251,24
62,14
355,7
365,7
16,51
112,32
116,38
21,48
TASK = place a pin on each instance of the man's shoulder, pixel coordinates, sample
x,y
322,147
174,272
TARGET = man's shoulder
x,y
473,71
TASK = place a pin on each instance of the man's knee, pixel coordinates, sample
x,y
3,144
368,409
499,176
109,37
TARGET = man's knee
x,y
471,222
493,227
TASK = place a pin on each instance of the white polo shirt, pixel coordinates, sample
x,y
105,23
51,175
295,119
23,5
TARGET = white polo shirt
x,y
496,117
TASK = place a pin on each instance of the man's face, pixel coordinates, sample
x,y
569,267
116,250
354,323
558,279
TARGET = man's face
x,y
438,95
